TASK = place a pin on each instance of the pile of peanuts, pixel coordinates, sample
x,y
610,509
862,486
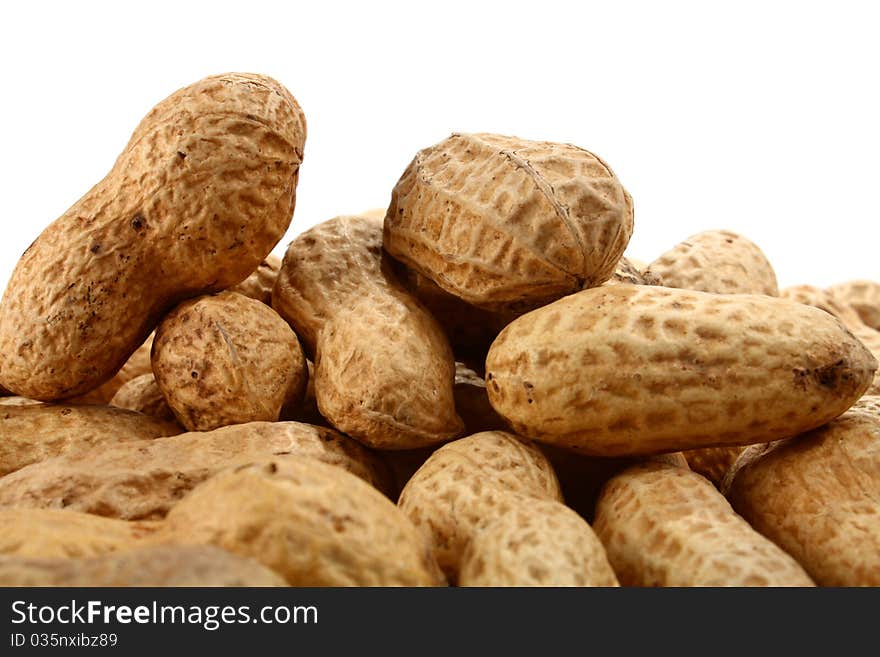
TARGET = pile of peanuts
x,y
472,387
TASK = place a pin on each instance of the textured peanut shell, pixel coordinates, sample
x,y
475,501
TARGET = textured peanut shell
x,y
817,496
160,566
506,223
383,368
467,483
315,524
260,283
53,534
227,359
864,297
718,261
827,301
143,480
538,543
30,434
627,370
667,526
201,194
142,394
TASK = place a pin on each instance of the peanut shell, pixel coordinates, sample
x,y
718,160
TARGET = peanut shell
x,y
315,524
718,261
538,543
468,482
383,368
160,566
667,526
506,223
227,359
201,194
864,297
817,496
625,370
141,480
34,433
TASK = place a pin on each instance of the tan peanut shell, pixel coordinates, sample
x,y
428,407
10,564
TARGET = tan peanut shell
x,y
506,223
227,359
817,496
864,297
383,368
667,526
30,434
718,261
260,283
54,534
627,370
468,482
201,194
142,394
143,480
166,565
538,543
315,524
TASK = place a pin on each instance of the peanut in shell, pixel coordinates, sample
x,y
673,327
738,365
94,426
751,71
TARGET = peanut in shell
x,y
627,370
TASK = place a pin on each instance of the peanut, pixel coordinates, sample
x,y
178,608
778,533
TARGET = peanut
x,y
718,261
667,526
627,370
383,368
537,543
816,496
139,480
227,359
508,224
864,297
94,284
468,482
173,565
34,433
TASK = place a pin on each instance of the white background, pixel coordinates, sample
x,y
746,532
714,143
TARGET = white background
x,y
762,118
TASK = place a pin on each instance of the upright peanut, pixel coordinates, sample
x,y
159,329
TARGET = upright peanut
x,y
201,194
383,368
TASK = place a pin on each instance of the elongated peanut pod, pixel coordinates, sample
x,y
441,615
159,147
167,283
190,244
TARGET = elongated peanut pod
x,y
666,526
